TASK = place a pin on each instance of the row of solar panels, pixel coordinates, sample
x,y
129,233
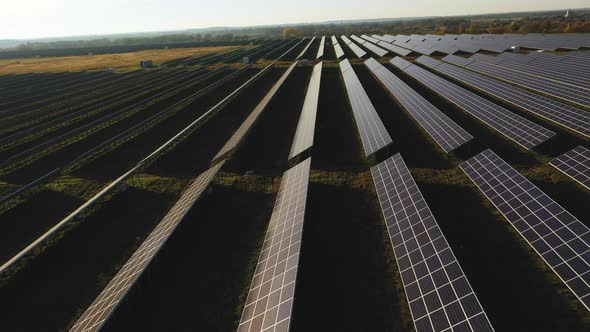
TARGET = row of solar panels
x,y
450,44
438,292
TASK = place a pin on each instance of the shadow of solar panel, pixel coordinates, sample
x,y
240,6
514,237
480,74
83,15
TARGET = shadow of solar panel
x,y
110,297
306,48
306,127
373,134
270,299
239,134
563,114
523,132
575,164
444,131
560,239
437,290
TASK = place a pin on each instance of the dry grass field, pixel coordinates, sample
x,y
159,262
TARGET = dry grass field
x,y
119,62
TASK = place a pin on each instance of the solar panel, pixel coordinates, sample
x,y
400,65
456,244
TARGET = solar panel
x,y
575,164
371,39
566,92
338,50
394,48
271,295
306,48
357,50
247,124
563,114
110,297
334,40
375,49
321,48
444,131
523,132
437,290
373,134
346,40
560,239
305,128
358,39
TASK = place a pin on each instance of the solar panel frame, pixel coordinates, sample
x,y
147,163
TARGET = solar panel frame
x,y
521,131
373,134
303,139
558,237
107,301
270,298
438,293
444,131
557,112
575,164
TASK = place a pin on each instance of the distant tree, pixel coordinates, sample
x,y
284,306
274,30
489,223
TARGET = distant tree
x,y
292,32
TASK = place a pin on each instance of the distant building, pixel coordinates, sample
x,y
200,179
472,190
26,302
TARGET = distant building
x,y
567,14
146,64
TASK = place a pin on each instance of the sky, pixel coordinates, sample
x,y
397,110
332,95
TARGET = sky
x,y
20,19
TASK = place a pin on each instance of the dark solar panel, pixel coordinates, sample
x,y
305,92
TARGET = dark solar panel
x,y
306,127
575,164
103,306
373,134
444,131
437,290
560,239
270,300
563,114
518,129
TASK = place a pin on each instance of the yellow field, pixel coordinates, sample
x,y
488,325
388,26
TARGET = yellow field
x,y
119,62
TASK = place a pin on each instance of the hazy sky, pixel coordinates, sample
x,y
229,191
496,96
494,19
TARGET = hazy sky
x,y
43,18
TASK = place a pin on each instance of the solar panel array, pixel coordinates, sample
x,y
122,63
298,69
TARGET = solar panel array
x,y
306,127
450,44
575,164
563,114
337,48
394,48
373,134
444,131
437,290
558,237
321,48
107,301
359,52
516,128
306,48
548,67
270,299
572,94
372,47
247,124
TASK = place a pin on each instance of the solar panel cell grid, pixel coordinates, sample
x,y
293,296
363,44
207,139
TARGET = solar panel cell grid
x,y
563,114
444,131
373,134
575,164
106,302
270,300
516,128
437,290
560,239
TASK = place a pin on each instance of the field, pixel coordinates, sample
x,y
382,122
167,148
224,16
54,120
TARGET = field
x,y
119,62
126,146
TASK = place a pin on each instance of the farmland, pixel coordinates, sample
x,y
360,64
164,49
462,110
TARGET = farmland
x,y
171,179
